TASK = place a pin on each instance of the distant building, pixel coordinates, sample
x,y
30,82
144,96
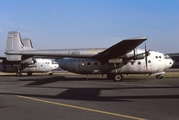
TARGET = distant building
x,y
175,58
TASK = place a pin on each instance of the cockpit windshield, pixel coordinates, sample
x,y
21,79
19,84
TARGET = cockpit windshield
x,y
167,56
54,62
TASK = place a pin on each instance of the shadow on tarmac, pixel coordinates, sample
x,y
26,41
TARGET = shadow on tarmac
x,y
89,93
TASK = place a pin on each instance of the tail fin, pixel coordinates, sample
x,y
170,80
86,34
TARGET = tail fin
x,y
14,41
27,42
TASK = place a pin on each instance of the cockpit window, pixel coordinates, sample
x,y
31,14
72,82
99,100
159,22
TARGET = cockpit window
x,y
167,57
54,62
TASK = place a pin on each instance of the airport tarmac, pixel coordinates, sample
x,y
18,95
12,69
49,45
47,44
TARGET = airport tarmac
x,y
73,97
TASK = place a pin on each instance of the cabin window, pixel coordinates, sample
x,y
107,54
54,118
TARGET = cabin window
x,y
82,63
160,57
139,63
95,63
41,65
88,63
149,61
156,57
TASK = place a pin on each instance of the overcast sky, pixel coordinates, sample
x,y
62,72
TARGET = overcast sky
x,y
59,24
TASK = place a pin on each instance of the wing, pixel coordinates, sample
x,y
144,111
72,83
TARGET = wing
x,y
2,58
121,48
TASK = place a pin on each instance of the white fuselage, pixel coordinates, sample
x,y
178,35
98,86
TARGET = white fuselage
x,y
156,62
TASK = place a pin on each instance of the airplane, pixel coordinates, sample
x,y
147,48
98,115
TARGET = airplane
x,y
37,65
40,66
121,58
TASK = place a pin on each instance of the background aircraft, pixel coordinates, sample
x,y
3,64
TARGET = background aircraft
x,y
37,65
121,58
40,66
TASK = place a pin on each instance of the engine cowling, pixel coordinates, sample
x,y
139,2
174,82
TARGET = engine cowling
x,y
28,61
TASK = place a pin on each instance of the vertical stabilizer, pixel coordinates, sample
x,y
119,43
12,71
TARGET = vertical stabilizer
x,y
27,42
14,43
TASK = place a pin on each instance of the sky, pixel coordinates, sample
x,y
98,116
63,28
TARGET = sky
x,y
65,24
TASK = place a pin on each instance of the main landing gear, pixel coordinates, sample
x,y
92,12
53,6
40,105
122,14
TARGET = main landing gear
x,y
117,77
19,73
29,73
160,76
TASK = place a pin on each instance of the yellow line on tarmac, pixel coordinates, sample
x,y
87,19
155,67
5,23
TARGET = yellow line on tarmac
x,y
82,108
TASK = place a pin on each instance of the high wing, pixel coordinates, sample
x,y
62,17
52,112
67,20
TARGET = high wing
x,y
2,58
15,50
121,48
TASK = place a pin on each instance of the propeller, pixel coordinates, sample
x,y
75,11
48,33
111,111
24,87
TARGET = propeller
x,y
147,53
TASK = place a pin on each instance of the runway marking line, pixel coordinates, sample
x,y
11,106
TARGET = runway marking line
x,y
81,108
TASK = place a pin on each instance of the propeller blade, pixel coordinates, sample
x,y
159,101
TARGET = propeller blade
x,y
146,54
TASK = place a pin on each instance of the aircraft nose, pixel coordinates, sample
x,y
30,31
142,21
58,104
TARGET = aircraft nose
x,y
55,66
169,64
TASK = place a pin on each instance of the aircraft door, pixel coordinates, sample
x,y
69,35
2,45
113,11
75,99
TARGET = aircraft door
x,y
75,66
161,65
38,66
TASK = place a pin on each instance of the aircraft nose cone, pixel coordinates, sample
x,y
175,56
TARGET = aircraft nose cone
x,y
169,64
55,66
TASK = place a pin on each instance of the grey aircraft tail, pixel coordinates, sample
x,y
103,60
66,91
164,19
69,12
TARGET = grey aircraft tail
x,y
14,43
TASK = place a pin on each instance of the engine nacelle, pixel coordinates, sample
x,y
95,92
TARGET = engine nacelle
x,y
28,61
139,56
115,60
135,56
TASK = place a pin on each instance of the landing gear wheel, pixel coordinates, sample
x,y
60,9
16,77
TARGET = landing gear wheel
x,y
29,73
159,76
117,77
50,74
18,74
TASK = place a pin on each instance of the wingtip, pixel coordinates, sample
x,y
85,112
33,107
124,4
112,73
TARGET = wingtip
x,y
138,38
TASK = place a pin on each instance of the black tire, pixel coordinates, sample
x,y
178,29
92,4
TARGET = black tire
x,y
159,76
29,73
50,74
18,74
117,77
